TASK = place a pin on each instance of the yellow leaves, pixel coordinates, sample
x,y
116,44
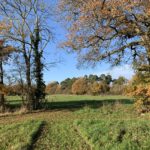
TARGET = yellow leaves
x,y
99,88
141,93
96,88
79,87
140,90
138,105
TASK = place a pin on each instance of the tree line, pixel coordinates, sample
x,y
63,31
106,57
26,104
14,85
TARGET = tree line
x,y
92,84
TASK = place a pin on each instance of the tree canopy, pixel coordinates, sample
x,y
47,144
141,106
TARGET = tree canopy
x,y
115,31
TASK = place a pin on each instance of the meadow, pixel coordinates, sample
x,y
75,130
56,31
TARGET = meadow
x,y
72,122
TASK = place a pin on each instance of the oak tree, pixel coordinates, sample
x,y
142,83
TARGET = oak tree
x,y
115,31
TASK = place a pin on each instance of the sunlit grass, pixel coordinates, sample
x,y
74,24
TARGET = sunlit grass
x,y
18,136
63,98
61,136
115,134
97,123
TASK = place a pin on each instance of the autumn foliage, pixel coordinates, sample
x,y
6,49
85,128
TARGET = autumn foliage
x,y
98,88
79,87
115,31
141,92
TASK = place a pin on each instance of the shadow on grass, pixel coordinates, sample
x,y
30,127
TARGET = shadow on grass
x,y
72,105
14,104
75,104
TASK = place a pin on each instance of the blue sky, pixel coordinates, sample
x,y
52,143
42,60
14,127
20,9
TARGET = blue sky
x,y
67,67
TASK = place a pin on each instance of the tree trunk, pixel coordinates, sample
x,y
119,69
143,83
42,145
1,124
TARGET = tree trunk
x,y
2,99
29,92
40,85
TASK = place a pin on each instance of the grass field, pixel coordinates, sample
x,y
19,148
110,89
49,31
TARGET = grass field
x,y
73,101
115,135
78,123
18,136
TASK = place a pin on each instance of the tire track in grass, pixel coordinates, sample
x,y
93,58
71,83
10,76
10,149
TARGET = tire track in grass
x,y
19,136
60,135
91,146
36,135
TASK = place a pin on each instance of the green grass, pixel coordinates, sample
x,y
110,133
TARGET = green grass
x,y
18,136
13,101
115,135
61,136
73,101
79,123
64,98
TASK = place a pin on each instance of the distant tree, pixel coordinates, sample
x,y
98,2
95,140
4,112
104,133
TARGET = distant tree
x,y
118,86
108,79
116,89
93,78
120,81
98,88
80,86
66,85
105,78
105,87
59,90
52,87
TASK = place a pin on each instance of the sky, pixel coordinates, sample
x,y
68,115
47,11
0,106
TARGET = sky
x,y
66,68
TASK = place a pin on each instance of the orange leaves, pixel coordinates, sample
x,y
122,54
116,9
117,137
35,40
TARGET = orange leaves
x,y
79,87
141,92
96,88
99,88
142,95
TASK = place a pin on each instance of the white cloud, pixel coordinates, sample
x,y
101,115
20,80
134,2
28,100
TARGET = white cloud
x,y
115,72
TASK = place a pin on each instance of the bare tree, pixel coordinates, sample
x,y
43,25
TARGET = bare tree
x,y
30,30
